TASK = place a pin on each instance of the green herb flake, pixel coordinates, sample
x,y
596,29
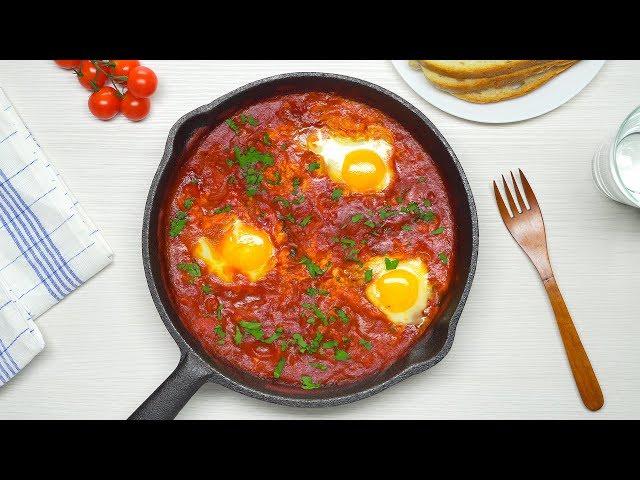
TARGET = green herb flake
x,y
313,166
313,269
219,311
387,213
438,231
188,203
308,383
366,344
427,216
225,209
283,146
357,217
282,201
319,314
313,291
390,263
341,355
370,224
279,367
443,258
342,315
296,185
232,125
426,202
238,336
206,289
330,344
305,221
219,331
407,228
277,179
266,140
252,121
274,336
319,365
336,194
193,269
368,275
178,223
302,344
229,162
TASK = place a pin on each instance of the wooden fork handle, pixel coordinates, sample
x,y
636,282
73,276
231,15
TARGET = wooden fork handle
x,y
583,373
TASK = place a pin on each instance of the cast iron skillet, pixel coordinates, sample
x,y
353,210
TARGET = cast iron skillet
x,y
196,366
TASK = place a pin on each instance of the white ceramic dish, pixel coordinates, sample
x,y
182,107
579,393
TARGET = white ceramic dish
x,y
551,95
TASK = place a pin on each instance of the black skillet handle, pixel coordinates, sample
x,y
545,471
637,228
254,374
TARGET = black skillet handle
x,y
173,394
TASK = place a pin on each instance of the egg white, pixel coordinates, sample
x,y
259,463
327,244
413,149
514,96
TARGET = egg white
x,y
414,314
333,149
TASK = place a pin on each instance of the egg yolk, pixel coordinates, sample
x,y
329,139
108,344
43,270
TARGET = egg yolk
x,y
363,170
246,250
398,290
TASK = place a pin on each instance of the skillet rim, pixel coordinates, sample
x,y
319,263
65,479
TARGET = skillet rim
x,y
214,374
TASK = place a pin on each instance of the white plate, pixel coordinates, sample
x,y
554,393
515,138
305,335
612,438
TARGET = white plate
x,y
552,94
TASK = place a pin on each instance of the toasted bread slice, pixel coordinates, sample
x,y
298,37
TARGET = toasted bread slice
x,y
522,87
467,85
476,68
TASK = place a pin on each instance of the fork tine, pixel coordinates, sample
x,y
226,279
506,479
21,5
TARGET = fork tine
x,y
504,213
517,190
512,204
528,192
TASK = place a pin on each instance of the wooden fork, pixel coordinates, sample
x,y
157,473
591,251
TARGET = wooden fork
x,y
527,229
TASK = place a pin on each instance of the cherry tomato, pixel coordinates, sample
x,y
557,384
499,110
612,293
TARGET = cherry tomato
x,y
142,82
68,64
105,103
89,73
134,108
123,67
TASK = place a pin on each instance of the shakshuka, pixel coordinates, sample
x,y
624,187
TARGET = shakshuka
x,y
309,239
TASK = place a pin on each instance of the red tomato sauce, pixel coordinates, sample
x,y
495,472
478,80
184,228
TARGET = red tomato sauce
x,y
211,182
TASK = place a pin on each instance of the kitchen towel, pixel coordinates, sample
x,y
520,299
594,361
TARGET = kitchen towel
x,y
48,245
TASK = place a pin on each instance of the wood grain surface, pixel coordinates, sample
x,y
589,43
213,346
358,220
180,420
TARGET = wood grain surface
x,y
107,349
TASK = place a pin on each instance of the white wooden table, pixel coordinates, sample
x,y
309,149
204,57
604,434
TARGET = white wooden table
x,y
107,349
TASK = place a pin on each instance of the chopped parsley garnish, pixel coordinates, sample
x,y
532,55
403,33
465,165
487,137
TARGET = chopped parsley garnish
x,y
366,344
319,314
220,332
296,184
427,216
308,383
232,125
357,217
387,213
305,221
330,344
193,269
248,161
407,228
319,365
336,194
178,223
289,218
341,355
313,166
412,207
225,209
238,336
443,258
253,328
302,344
282,201
206,289
313,269
370,224
342,315
315,343
347,242
219,311
368,275
426,202
279,367
188,203
438,231
277,179
229,162
273,337
266,140
298,200
313,291
252,121
390,263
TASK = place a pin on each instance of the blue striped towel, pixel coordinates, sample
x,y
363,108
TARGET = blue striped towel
x,y
48,245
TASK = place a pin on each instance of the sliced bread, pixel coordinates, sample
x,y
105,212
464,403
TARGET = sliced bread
x,y
476,68
467,85
522,87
